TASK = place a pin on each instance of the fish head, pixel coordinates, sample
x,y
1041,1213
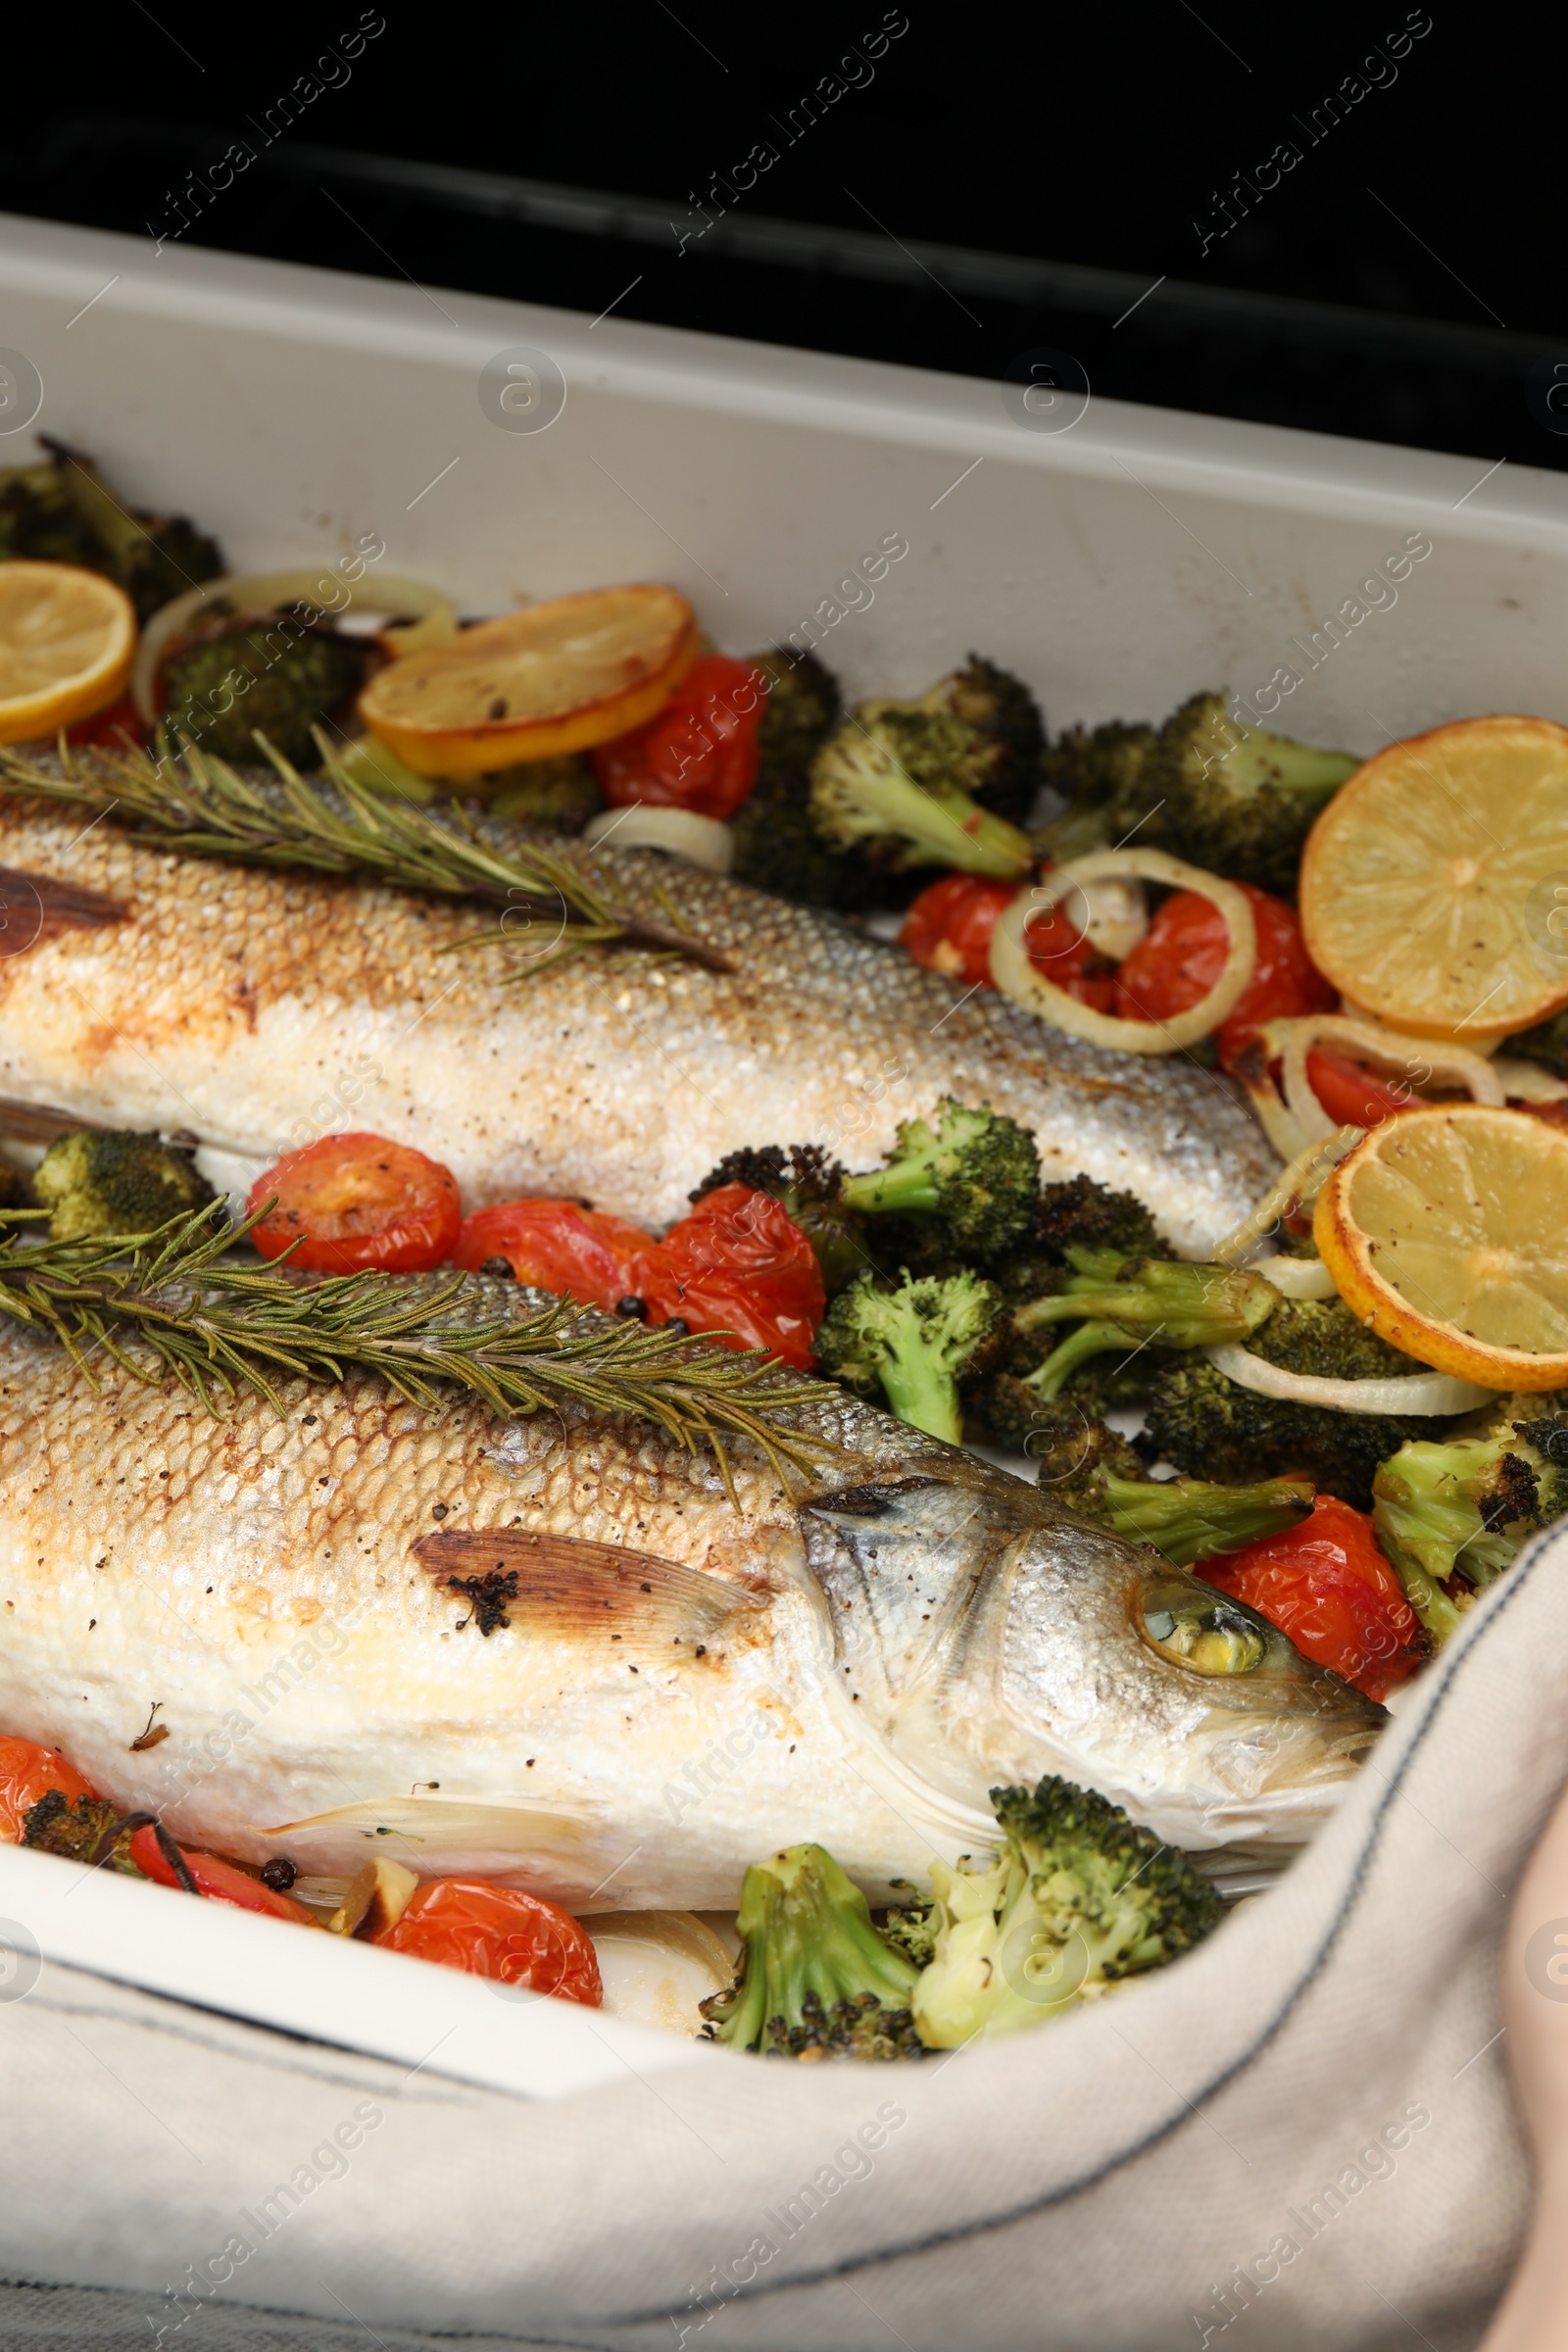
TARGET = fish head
x,y
993,1636
1183,1705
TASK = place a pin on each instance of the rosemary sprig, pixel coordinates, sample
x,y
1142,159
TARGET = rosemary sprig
x,y
202,808
170,1306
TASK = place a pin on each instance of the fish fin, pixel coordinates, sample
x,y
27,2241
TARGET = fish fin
x,y
37,907
567,1587
463,1836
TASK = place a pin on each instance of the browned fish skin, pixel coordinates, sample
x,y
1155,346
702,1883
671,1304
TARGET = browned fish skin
x,y
257,1011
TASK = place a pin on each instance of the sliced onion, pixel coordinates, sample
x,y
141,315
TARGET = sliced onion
x,y
1432,1393
1296,1277
1528,1081
699,840
259,592
1433,1057
1297,1187
1018,978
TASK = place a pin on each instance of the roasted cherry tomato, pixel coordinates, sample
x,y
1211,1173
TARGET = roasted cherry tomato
x,y
1182,954
111,727
500,1932
949,928
1351,1095
356,1201
27,1772
738,1264
221,1882
556,1246
1325,1584
700,753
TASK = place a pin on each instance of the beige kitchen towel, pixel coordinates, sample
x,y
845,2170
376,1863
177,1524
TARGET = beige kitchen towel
x,y
1299,2136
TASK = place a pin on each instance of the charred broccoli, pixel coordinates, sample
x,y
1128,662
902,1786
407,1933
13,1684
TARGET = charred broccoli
x,y
902,782
975,1175
1211,1427
1233,797
1006,770
60,511
1077,1898
95,1183
1453,1515
1087,1468
1077,1212
777,846
805,1183
815,1975
911,1342
1119,1302
1325,1339
87,1829
274,675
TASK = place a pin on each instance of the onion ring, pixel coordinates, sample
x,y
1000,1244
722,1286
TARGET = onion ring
x,y
1435,1058
701,840
1017,977
1296,1277
1433,1393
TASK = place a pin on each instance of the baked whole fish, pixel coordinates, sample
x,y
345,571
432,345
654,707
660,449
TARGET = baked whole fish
x,y
553,1650
257,1011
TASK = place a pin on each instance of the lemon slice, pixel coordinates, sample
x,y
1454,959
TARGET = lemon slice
x,y
67,637
554,677
1429,884
1447,1231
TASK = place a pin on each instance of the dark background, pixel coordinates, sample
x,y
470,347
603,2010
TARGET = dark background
x,y
1004,179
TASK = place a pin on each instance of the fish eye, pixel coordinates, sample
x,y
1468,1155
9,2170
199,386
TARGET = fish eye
x,y
1208,1637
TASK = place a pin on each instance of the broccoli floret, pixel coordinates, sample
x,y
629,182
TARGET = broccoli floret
x,y
1236,798
1077,1898
275,675
777,846
904,782
911,1342
39,522
1076,1213
1017,1417
87,1829
1324,1339
1006,773
976,1174
1211,1427
815,1977
805,1183
1121,1301
911,1926
1453,1515
116,1183
1087,1468
1096,767
155,557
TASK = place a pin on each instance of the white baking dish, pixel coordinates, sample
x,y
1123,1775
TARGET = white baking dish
x,y
1347,591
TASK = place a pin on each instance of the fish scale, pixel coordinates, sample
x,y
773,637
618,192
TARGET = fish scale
x,y
857,1658
256,1010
